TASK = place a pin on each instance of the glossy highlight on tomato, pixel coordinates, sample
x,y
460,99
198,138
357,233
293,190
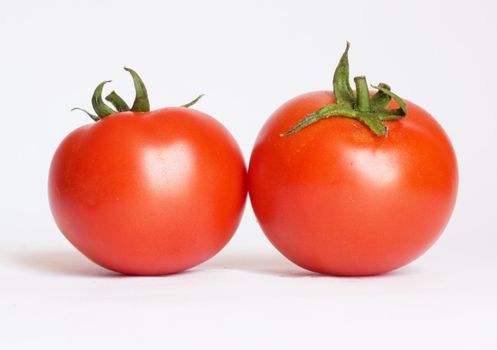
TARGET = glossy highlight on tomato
x,y
148,193
336,198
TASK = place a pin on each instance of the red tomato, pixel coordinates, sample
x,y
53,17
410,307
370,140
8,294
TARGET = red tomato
x,y
148,193
337,199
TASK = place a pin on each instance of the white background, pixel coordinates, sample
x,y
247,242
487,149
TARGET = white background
x,y
248,57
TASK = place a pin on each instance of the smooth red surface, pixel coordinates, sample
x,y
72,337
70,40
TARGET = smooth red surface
x,y
336,199
148,193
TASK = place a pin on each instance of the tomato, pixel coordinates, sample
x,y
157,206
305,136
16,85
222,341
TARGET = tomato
x,y
336,198
148,193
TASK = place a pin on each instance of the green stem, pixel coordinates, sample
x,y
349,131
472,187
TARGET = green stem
x,y
362,99
141,103
358,105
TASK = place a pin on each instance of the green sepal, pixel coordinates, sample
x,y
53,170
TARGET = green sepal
x,y
141,103
374,122
341,86
380,100
98,104
358,104
92,116
399,112
332,110
119,104
192,102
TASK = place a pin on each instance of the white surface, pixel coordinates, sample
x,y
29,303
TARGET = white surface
x,y
244,301
248,58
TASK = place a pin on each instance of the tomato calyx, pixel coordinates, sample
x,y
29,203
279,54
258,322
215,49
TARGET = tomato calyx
x,y
140,104
372,111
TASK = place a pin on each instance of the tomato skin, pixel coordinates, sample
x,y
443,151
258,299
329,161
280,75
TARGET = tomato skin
x,y
148,193
336,199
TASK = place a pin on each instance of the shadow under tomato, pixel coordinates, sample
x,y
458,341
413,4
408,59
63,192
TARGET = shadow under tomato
x,y
70,263
277,265
73,263
260,263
